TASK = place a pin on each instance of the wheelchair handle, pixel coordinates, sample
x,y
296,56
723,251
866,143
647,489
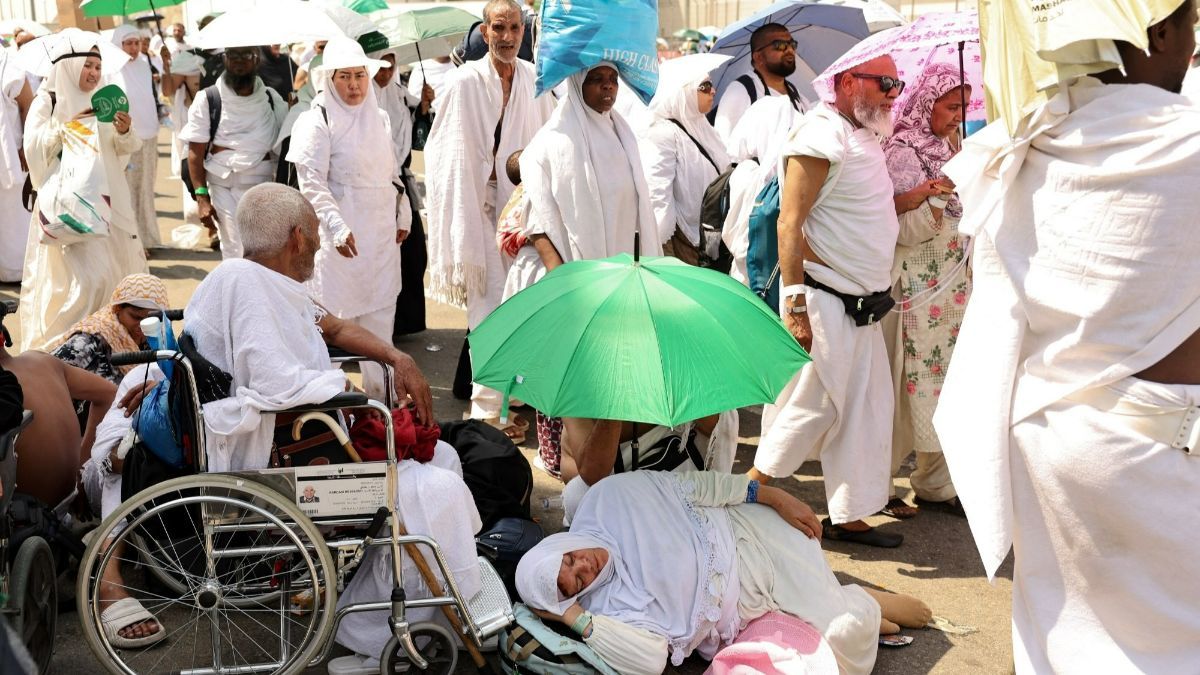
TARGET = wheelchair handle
x,y
134,358
174,314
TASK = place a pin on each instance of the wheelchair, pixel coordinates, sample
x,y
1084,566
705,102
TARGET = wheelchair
x,y
27,558
243,569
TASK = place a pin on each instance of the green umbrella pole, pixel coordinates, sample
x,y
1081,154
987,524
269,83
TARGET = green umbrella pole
x,y
421,63
637,246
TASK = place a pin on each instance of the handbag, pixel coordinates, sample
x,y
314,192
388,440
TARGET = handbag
x,y
530,646
74,204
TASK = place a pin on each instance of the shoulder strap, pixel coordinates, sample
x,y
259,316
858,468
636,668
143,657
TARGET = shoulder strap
x,y
792,94
324,113
53,100
213,96
751,90
698,146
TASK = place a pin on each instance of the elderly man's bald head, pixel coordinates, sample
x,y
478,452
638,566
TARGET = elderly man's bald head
x,y
266,216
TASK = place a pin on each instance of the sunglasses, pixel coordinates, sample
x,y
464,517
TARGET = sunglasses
x,y
780,45
241,55
704,87
886,84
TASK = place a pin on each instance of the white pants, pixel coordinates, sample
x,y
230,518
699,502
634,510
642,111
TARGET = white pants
x,y
1105,541
837,408
143,165
226,194
378,323
14,231
486,402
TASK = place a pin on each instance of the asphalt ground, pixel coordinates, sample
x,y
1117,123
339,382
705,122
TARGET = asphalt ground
x,y
937,562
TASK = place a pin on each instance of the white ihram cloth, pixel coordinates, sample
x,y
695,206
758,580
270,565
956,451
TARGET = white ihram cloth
x,y
1084,276
754,145
63,284
260,327
137,81
432,501
248,127
586,188
677,172
14,219
459,161
397,102
839,407
730,562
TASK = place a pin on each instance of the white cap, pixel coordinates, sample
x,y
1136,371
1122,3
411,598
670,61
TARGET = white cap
x,y
344,52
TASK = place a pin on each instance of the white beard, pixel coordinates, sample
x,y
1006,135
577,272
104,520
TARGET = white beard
x,y
874,118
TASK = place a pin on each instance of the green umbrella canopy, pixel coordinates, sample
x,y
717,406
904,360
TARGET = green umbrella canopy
x,y
365,6
95,8
688,34
656,341
402,27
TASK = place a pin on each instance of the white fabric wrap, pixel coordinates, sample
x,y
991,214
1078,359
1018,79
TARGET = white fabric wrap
x,y
260,327
1083,267
459,160
136,80
12,80
248,127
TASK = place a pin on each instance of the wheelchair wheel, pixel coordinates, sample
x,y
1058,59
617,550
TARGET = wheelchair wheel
x,y
34,601
255,581
435,644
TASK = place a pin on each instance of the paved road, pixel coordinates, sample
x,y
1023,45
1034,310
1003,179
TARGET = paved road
x,y
937,562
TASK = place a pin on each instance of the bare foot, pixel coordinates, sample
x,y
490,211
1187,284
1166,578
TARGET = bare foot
x,y
902,609
887,627
112,589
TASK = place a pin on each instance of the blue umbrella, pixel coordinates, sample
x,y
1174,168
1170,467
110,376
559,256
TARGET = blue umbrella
x,y
824,33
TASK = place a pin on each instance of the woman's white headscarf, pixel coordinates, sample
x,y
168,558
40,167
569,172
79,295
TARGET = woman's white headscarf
x,y
673,574
576,182
356,132
67,61
676,100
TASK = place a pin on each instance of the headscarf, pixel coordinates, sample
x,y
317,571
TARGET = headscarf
x,y
913,132
674,574
142,290
66,66
394,99
676,100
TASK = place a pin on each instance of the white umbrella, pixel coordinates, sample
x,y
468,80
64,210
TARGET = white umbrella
x,y
689,68
37,56
10,26
878,14
281,22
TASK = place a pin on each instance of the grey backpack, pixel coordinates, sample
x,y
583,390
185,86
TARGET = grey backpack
x,y
530,646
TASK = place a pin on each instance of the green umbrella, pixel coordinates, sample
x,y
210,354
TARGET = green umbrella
x,y
424,33
365,6
655,341
688,34
97,8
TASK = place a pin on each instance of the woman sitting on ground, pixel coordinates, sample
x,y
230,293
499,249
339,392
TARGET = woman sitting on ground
x,y
114,328
663,564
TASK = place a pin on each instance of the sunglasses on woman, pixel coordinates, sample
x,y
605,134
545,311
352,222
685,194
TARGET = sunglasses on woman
x,y
704,87
886,83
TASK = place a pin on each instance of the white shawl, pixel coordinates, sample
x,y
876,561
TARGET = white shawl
x,y
260,327
1085,274
459,160
576,172
248,127
12,81
395,100
673,574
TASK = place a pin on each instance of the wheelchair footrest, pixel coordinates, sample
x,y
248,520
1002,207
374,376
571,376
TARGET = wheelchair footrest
x,y
491,609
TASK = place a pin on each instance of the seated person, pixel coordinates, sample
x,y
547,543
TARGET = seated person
x,y
52,449
253,318
114,328
594,449
648,569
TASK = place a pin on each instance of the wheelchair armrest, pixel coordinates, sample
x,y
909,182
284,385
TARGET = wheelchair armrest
x,y
339,353
350,399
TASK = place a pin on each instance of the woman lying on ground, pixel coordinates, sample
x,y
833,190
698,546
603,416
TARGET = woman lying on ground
x,y
659,564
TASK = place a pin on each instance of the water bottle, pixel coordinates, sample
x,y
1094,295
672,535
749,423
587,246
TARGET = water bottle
x,y
152,328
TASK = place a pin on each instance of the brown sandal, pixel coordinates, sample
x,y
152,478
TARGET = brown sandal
x,y
900,510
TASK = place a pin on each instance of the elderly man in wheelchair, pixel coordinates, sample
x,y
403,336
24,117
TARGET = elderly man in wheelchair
x,y
248,555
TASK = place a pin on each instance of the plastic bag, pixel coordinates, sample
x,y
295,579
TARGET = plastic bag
x,y
74,203
578,34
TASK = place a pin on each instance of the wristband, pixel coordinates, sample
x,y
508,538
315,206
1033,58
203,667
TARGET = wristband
x,y
797,309
793,290
201,191
939,201
752,492
581,622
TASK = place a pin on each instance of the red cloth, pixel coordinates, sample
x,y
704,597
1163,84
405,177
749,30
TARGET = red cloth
x,y
413,441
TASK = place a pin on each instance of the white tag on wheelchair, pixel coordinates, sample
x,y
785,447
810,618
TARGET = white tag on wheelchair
x,y
340,490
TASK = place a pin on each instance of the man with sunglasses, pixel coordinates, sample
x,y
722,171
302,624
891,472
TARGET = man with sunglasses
x,y
837,237
233,157
773,57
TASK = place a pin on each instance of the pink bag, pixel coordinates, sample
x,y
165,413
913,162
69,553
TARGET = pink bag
x,y
776,643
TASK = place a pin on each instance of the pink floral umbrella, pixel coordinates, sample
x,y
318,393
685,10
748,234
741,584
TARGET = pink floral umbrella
x,y
937,37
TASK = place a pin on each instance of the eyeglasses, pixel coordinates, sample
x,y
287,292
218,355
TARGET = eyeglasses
x,y
886,83
704,87
780,45
241,56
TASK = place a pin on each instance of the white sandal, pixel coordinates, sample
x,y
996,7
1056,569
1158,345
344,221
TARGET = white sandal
x,y
129,612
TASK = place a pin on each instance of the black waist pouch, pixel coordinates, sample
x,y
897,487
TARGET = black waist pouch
x,y
864,309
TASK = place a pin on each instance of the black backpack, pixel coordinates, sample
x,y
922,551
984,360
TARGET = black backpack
x,y
714,207
751,91
285,171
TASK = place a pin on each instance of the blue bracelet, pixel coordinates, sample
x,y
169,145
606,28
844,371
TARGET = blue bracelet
x,y
752,492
